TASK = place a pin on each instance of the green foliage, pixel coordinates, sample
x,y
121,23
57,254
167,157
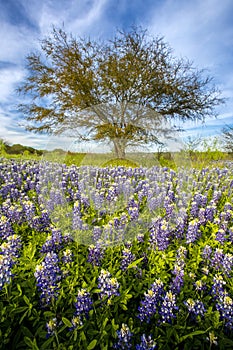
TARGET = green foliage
x,y
120,162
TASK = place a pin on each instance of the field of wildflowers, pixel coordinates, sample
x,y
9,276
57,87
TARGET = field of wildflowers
x,y
115,258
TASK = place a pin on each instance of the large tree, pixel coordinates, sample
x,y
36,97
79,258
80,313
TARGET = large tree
x,y
128,90
227,138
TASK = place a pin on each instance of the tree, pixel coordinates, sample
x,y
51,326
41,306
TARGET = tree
x,y
128,91
3,146
227,137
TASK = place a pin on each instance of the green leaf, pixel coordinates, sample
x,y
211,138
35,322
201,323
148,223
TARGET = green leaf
x,y
105,322
29,342
134,263
66,322
27,301
23,317
92,344
193,334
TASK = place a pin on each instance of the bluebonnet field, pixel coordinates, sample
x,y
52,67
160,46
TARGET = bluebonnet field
x,y
115,258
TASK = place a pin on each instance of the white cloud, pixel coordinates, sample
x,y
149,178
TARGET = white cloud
x,y
9,78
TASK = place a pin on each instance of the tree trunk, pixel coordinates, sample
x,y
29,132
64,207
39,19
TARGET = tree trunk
x,y
119,148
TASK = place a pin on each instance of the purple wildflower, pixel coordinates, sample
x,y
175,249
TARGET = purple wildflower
x,y
221,236
206,252
217,259
217,289
227,264
147,343
128,258
51,327
225,307
108,286
168,306
195,307
67,256
160,234
48,275
83,305
124,337
95,255
53,242
192,232
149,304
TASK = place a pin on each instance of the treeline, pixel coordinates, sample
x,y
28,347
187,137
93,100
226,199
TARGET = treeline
x,y
20,149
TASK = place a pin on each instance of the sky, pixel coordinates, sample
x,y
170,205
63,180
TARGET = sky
x,y
200,30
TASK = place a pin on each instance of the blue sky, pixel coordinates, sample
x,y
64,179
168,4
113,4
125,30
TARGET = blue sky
x,y
200,30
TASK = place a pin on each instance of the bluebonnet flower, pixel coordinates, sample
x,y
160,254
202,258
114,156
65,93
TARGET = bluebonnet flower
x,y
205,270
76,322
177,281
128,258
51,327
48,275
199,285
200,199
230,232
15,213
95,254
227,264
152,203
96,233
140,237
209,212
217,289
147,343
228,206
178,270
206,253
108,286
194,209
53,242
133,209
181,254
67,256
6,274
221,236
124,338
160,234
67,238
83,306
201,216
39,223
5,227
168,205
180,223
192,231
195,307
225,307
168,306
29,210
217,259
226,216
11,246
149,304
112,193
77,220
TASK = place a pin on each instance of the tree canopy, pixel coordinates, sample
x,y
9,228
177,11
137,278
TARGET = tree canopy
x,y
227,138
125,90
